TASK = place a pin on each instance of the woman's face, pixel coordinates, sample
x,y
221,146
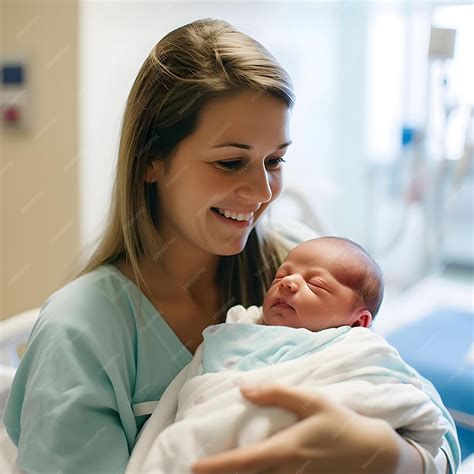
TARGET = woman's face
x,y
231,162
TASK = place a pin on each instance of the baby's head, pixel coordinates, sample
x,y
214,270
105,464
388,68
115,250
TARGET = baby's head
x,y
323,283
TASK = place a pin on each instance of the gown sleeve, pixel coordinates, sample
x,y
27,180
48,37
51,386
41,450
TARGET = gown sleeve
x,y
69,406
450,446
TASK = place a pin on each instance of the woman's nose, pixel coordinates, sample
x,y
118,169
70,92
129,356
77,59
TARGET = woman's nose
x,y
256,186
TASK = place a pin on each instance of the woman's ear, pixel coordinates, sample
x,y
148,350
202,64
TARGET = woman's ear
x,y
152,173
363,319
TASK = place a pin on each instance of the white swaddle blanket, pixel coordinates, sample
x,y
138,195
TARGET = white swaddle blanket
x,y
201,414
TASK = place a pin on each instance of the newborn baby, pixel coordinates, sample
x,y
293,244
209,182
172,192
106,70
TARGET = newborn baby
x,y
312,332
323,283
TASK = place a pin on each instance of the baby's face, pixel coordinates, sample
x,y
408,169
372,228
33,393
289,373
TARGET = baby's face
x,y
306,292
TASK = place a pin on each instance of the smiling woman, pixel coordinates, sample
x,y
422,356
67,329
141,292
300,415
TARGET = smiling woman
x,y
224,150
204,132
167,264
250,188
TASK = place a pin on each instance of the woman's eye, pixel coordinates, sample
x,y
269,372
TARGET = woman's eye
x,y
273,163
231,165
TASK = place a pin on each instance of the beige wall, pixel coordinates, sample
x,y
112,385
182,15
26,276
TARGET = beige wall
x,y
39,168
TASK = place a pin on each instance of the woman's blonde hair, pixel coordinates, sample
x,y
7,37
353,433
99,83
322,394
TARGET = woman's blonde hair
x,y
190,65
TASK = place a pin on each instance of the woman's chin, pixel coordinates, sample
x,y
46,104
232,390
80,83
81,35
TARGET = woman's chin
x,y
234,245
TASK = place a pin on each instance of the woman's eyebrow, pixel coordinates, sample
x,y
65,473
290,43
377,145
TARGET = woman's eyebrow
x,y
243,146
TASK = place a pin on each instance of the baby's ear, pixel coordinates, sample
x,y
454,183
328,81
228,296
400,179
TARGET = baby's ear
x,y
363,319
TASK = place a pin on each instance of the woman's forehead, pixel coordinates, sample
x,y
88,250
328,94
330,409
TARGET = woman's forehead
x,y
237,119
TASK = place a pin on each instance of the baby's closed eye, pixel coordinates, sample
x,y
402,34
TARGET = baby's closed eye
x,y
318,285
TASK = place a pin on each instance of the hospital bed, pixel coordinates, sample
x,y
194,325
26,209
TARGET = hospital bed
x,y
14,333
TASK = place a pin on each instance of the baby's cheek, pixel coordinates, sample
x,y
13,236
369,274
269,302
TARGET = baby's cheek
x,y
266,300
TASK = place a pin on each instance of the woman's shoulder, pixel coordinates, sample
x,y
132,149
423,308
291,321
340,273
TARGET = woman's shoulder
x,y
105,279
99,301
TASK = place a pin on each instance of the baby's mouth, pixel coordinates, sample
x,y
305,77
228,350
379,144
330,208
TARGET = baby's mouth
x,y
281,303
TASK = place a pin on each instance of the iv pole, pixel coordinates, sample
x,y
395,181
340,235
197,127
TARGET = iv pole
x,y
441,48
422,188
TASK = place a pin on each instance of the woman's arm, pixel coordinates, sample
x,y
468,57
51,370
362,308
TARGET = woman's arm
x,y
62,411
410,459
328,438
433,465
450,459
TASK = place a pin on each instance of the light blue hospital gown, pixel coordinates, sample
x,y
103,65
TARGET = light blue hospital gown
x,y
90,359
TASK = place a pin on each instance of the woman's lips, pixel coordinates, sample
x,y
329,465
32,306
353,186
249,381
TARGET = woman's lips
x,y
233,222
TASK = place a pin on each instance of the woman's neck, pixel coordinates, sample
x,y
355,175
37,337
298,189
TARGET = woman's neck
x,y
182,276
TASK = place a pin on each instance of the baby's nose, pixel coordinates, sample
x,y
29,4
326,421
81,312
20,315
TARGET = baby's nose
x,y
289,284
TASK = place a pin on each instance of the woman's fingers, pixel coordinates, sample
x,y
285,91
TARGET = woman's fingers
x,y
302,403
245,460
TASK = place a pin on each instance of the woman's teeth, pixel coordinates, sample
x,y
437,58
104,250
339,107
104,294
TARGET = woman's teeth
x,y
235,215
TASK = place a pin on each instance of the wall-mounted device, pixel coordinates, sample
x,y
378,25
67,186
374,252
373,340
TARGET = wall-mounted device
x,y
442,41
14,104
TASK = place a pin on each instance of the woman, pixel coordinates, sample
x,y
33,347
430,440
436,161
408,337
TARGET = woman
x,y
204,133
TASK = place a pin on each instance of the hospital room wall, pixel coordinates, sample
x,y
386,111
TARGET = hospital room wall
x,y
39,166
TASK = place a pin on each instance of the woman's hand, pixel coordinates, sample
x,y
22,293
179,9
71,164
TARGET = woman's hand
x,y
328,438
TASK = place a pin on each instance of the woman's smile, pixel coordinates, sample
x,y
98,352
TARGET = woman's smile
x,y
234,222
